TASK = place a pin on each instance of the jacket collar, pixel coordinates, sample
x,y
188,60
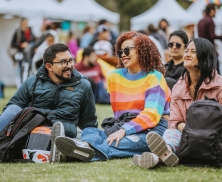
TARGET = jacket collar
x,y
43,74
181,89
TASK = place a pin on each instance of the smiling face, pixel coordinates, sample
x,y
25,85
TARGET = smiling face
x,y
57,73
176,53
131,61
190,57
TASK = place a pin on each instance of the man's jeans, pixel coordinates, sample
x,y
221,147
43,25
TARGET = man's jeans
x,y
8,115
128,146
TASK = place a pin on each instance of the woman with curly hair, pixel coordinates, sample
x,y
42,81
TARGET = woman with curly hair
x,y
140,98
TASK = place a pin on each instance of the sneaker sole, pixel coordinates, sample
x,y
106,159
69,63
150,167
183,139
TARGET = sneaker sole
x,y
54,154
146,160
158,146
68,147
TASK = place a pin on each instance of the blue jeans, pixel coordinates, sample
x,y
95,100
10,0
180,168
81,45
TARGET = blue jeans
x,y
128,146
8,115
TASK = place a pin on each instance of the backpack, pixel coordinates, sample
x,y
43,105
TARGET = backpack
x,y
201,140
13,138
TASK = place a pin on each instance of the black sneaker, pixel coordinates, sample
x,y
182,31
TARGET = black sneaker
x,y
74,148
57,130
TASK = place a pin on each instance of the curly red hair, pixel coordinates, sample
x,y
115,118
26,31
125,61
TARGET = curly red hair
x,y
148,54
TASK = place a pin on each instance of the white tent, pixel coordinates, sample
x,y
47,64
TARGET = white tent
x,y
86,10
218,18
168,9
196,9
74,10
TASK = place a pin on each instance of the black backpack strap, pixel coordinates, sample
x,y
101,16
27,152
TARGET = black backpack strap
x,y
207,98
33,90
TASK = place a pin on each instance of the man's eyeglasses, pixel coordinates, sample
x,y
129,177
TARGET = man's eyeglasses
x,y
65,63
126,51
178,45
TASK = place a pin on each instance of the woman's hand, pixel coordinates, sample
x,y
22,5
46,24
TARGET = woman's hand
x,y
181,126
118,135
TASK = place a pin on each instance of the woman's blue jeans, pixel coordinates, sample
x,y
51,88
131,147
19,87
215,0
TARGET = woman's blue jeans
x,y
128,146
8,114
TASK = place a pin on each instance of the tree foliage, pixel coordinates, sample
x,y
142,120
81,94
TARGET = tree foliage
x,y
130,8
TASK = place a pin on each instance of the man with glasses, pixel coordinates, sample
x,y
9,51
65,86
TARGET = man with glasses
x,y
61,91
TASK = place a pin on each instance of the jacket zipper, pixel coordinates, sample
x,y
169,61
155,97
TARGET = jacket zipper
x,y
10,131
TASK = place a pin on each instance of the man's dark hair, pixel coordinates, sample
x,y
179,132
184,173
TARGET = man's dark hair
x,y
151,28
209,7
181,34
87,51
50,53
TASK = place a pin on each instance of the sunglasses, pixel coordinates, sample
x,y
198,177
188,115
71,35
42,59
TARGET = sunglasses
x,y
126,51
178,45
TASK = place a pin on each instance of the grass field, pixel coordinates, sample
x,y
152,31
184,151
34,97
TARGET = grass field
x,y
114,170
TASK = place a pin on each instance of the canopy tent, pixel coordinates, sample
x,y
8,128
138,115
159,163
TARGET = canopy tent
x,y
196,9
218,18
74,10
168,9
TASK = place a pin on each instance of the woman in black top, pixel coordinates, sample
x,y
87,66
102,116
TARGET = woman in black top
x,y
178,41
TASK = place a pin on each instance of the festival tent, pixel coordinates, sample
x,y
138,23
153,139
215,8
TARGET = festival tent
x,y
86,10
168,9
196,9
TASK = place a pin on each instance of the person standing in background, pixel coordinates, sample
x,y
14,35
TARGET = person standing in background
x,y
87,37
72,44
206,26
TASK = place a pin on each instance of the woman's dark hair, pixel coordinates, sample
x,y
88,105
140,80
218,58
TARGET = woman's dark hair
x,y
148,55
164,21
207,59
181,34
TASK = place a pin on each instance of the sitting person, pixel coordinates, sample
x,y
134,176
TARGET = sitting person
x,y
90,68
60,91
199,79
178,41
137,90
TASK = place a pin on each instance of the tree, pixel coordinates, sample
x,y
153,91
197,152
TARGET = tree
x,y
130,8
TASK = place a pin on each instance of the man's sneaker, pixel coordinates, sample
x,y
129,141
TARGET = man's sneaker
x,y
74,148
146,160
57,130
159,147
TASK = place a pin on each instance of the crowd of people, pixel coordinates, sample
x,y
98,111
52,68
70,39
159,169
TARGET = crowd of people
x,y
149,99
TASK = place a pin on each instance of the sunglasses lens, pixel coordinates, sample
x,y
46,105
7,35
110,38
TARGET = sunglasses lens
x,y
178,45
170,45
126,51
119,53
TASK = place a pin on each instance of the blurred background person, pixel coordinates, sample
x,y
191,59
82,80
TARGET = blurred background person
x,y
154,32
22,39
72,44
165,28
87,37
206,26
37,61
90,68
178,41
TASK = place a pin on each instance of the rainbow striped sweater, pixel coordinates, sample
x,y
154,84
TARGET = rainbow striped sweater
x,y
144,93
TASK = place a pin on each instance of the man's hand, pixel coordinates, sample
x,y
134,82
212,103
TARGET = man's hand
x,y
118,135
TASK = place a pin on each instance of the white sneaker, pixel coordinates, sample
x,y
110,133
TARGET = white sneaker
x,y
57,130
74,148
146,160
159,147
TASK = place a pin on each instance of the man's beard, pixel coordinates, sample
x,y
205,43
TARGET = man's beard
x,y
61,77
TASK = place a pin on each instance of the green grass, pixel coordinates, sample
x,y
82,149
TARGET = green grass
x,y
113,170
